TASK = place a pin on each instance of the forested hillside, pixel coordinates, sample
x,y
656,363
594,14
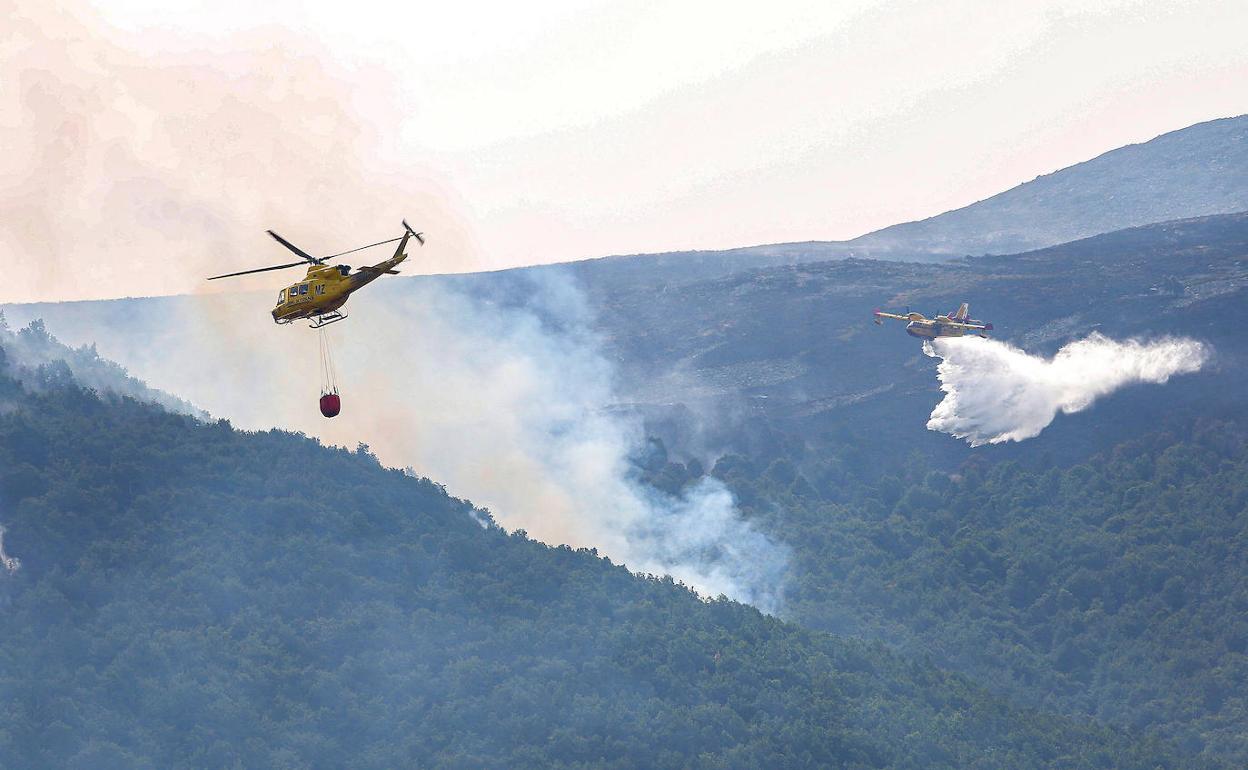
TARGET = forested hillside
x,y
1113,587
31,347
791,351
1097,569
194,595
191,595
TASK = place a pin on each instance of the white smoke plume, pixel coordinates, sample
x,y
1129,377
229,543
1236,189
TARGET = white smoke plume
x,y
27,350
507,404
142,171
995,392
9,564
506,400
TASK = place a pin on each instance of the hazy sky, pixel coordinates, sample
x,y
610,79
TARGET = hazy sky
x,y
149,143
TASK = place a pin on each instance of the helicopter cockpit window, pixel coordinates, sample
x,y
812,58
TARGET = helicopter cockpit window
x,y
303,288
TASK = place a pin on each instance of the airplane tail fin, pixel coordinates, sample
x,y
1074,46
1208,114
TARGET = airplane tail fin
x,y
964,312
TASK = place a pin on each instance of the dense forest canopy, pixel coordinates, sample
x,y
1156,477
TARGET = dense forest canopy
x,y
1113,587
193,595
189,594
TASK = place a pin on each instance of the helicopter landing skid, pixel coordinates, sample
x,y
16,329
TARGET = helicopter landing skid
x,y
327,319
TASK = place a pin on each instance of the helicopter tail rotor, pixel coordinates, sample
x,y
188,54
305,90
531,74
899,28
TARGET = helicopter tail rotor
x,y
418,236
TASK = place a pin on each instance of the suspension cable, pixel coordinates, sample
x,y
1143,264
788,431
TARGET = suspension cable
x,y
329,374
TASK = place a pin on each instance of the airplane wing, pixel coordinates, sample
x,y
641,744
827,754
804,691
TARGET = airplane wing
x,y
882,314
969,327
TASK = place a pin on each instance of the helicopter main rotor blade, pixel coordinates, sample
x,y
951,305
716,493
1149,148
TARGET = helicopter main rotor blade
x,y
294,248
258,270
361,248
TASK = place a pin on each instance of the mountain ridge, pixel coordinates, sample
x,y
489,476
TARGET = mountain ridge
x,y
1130,184
1222,175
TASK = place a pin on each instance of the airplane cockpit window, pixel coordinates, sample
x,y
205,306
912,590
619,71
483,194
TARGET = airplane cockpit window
x,y
303,288
281,296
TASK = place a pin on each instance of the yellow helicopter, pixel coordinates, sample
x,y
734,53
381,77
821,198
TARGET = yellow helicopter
x,y
325,289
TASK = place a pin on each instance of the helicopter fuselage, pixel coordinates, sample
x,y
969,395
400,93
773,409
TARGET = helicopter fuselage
x,y
323,290
326,288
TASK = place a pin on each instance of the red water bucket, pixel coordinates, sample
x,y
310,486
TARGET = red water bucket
x,y
331,404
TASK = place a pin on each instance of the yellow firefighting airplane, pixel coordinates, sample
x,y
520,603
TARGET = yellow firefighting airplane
x,y
956,324
326,288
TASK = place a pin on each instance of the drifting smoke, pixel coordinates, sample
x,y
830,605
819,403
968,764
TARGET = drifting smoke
x,y
495,387
995,392
129,172
30,354
508,405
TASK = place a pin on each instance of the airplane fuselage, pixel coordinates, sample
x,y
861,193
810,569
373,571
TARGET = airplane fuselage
x,y
958,324
930,330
